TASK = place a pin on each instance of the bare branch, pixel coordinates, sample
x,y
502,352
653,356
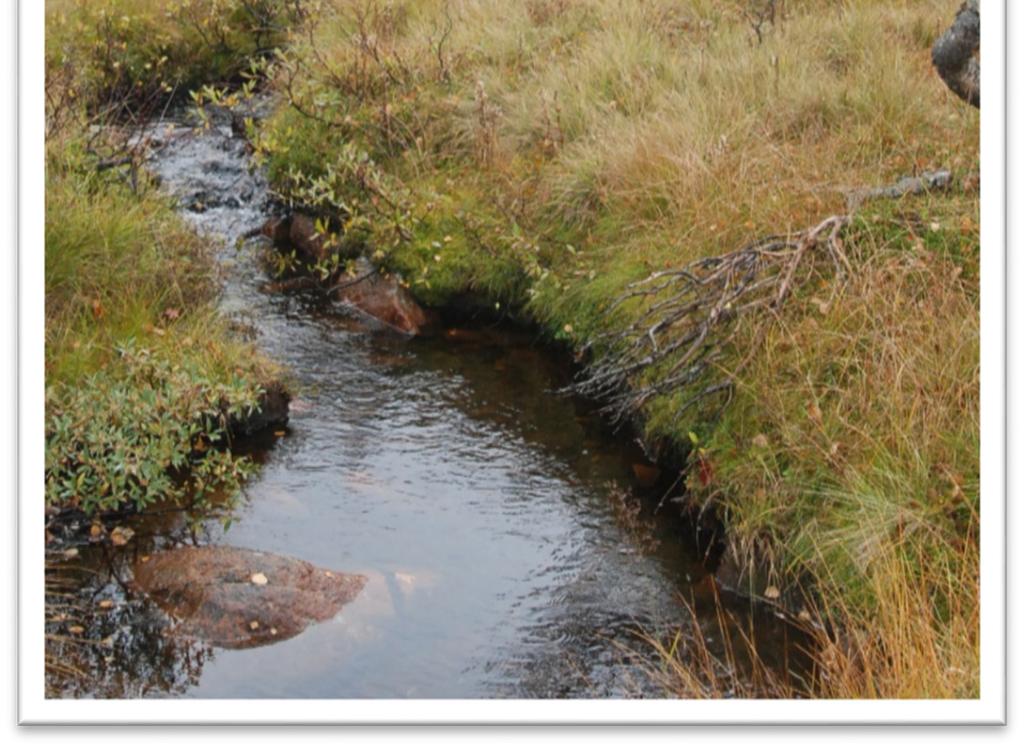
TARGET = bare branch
x,y
691,313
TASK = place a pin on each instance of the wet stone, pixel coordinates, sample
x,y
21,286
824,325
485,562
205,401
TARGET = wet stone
x,y
211,595
383,299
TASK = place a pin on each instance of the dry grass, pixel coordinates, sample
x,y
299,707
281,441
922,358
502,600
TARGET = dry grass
x,y
862,413
848,456
921,642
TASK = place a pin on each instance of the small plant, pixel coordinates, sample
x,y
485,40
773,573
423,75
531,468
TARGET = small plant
x,y
141,433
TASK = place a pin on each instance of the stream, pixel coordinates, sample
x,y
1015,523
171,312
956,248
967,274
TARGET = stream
x,y
510,548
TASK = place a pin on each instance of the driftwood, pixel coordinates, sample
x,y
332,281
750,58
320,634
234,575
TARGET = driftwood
x,y
956,54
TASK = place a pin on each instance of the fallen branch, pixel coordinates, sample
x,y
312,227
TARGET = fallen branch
x,y
927,182
691,317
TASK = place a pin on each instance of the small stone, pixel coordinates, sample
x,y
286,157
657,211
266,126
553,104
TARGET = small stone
x,y
254,625
258,578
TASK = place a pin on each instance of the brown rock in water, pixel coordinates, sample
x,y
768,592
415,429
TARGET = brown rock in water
x,y
302,236
277,229
383,298
646,475
297,232
272,412
217,593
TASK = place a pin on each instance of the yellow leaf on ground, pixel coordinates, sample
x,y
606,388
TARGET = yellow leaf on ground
x,y
120,536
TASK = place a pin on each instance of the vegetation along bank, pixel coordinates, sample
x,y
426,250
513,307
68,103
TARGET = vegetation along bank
x,y
702,200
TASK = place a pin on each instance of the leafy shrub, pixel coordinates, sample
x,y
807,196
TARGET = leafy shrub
x,y
140,433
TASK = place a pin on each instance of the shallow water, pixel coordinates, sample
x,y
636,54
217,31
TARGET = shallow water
x,y
496,521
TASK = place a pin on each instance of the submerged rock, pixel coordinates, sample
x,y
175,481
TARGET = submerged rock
x,y
297,232
239,598
272,412
382,298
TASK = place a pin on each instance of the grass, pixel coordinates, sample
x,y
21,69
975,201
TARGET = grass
x,y
904,650
541,156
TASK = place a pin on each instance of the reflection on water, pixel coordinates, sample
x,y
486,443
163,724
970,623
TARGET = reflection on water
x,y
486,511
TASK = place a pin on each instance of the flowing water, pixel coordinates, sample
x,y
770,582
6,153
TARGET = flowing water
x,y
509,548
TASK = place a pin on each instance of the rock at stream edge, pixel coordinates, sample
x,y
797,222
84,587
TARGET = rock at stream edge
x,y
239,598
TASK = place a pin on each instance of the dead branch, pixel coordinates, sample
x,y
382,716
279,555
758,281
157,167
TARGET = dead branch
x,y
690,317
926,182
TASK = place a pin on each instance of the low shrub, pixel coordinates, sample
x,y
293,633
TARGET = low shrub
x,y
141,432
